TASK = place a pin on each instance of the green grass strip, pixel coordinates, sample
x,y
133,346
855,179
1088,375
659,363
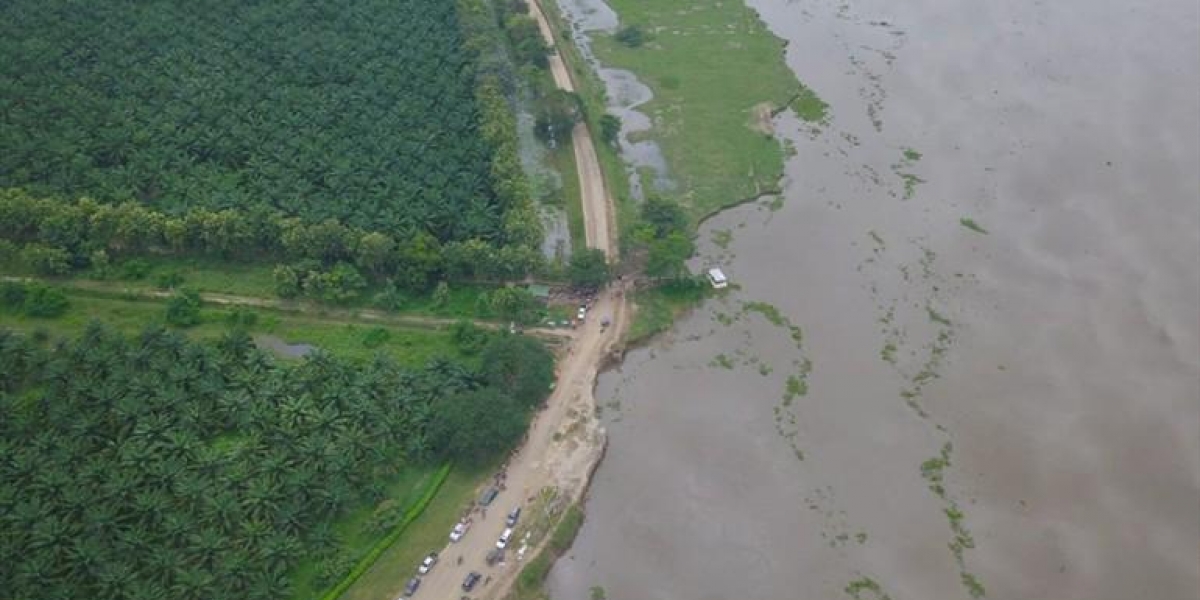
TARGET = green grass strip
x,y
378,549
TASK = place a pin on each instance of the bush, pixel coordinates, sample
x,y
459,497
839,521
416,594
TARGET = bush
x,y
340,284
168,280
12,295
43,301
100,263
588,269
555,114
632,36
333,569
376,337
469,338
46,260
183,309
135,269
610,129
441,295
515,304
390,298
241,318
287,281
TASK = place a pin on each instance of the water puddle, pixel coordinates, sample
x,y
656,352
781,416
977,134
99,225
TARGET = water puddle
x,y
279,346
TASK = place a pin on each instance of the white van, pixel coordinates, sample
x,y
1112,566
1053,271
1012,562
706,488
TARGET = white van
x,y
502,543
717,278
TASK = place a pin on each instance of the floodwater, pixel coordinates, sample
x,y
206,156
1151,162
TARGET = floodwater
x,y
1053,362
625,93
277,345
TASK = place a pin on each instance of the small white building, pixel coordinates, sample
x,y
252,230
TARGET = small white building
x,y
717,278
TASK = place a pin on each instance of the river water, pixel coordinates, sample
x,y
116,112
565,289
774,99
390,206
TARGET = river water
x,y
1049,367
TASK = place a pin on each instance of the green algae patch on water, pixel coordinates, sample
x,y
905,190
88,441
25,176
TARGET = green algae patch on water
x,y
865,588
970,223
711,66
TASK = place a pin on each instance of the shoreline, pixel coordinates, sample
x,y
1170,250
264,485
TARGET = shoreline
x,y
614,353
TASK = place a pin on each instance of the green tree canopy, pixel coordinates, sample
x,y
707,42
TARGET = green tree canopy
x,y
476,426
664,216
588,268
519,366
183,308
555,113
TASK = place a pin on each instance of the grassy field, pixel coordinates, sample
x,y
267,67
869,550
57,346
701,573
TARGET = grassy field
x,y
211,275
201,274
715,70
412,346
428,533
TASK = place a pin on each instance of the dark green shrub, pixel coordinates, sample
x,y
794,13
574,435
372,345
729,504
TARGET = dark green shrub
x,y
183,309
632,36
45,302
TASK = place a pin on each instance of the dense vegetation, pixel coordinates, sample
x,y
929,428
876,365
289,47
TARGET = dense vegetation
x,y
156,467
50,237
366,111
665,235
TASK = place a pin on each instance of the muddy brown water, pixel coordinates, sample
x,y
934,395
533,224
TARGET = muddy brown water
x,y
1058,354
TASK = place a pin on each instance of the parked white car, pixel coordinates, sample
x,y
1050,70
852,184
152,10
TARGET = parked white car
x,y
502,543
460,529
428,563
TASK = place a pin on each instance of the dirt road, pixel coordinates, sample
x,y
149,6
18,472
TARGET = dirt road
x,y
597,206
565,441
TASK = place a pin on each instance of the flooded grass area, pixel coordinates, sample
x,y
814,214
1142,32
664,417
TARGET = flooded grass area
x,y
709,65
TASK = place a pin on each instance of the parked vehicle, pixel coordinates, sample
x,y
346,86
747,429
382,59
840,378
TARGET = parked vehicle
x,y
502,543
494,556
410,588
428,563
472,579
488,495
513,515
460,529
